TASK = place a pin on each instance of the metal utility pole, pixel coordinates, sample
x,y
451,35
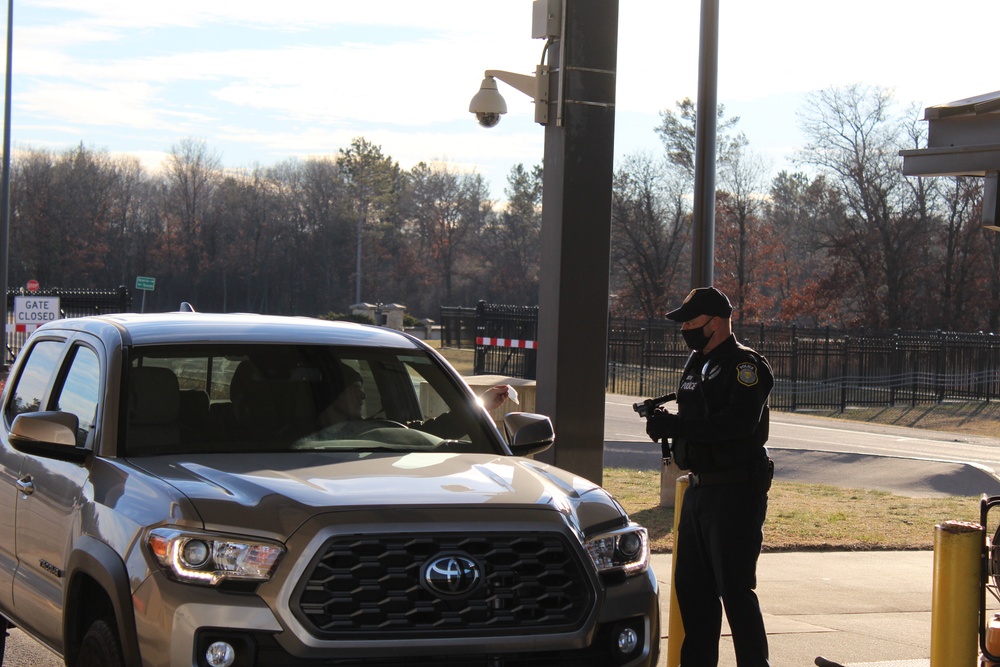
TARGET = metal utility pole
x,y
703,249
576,235
5,190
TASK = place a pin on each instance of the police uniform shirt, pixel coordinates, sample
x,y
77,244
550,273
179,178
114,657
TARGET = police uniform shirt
x,y
722,404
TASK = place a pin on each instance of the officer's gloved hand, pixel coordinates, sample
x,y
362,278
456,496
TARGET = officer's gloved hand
x,y
662,425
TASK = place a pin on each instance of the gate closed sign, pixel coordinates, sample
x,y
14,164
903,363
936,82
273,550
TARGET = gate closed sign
x,y
30,312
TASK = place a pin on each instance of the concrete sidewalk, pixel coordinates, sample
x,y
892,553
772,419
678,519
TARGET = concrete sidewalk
x,y
854,608
869,609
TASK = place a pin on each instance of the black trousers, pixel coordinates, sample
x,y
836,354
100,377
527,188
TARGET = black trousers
x,y
719,537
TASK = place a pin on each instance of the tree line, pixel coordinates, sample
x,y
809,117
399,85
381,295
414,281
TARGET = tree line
x,y
846,240
286,239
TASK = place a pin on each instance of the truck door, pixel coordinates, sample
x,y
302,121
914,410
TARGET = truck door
x,y
30,381
10,470
49,501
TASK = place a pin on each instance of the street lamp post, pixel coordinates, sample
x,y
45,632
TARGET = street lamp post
x,y
5,190
703,251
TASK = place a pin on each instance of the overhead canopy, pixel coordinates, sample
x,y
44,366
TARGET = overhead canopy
x,y
963,139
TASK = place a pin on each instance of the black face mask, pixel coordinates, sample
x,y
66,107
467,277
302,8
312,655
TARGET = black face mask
x,y
696,338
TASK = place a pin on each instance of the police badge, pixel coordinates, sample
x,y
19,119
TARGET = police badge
x,y
746,373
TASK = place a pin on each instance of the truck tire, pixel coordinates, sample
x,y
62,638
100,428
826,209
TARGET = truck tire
x,y
3,636
100,646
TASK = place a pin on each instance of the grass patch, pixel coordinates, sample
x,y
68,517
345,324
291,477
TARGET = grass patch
x,y
464,360
808,516
970,417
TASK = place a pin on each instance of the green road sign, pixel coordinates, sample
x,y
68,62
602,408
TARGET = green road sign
x,y
145,283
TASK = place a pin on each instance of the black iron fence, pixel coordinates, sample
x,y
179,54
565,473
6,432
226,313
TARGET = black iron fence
x,y
820,368
72,303
458,327
506,340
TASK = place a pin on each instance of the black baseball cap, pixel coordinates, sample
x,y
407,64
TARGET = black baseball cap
x,y
702,301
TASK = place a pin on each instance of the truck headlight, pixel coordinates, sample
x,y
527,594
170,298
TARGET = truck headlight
x,y
624,550
206,558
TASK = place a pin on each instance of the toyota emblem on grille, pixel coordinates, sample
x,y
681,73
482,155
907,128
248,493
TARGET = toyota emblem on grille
x,y
453,574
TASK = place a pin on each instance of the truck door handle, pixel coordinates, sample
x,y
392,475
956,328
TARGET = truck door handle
x,y
25,486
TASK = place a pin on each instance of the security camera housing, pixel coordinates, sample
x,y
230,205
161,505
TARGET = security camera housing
x,y
487,119
488,104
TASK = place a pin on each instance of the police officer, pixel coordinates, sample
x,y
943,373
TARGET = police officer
x,y
718,434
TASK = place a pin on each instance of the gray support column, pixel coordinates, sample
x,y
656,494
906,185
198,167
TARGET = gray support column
x,y
5,191
576,237
703,243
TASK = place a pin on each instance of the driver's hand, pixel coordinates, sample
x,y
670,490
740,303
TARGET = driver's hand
x,y
494,397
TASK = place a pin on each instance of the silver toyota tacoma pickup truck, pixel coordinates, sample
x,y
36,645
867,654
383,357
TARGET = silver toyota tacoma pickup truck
x,y
216,490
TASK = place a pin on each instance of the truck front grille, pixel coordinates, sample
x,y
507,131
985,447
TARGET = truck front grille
x,y
523,582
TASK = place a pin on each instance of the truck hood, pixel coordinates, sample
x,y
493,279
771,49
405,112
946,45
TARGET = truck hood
x,y
273,494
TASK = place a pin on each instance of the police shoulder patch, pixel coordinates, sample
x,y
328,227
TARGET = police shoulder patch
x,y
746,373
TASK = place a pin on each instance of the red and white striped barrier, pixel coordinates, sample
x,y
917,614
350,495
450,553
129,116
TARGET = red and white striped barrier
x,y
507,342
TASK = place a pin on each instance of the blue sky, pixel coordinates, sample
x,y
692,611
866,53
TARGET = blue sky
x,y
262,82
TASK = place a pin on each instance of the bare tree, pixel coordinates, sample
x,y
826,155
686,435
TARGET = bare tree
x,y
191,173
744,244
508,243
125,237
328,223
797,208
440,219
854,136
650,227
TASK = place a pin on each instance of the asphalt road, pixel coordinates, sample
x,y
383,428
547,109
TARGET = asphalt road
x,y
805,449
907,461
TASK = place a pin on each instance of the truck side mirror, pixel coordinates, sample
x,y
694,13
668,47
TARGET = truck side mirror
x,y
528,433
48,434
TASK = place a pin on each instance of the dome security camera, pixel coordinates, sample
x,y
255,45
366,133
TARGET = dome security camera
x,y
487,119
488,104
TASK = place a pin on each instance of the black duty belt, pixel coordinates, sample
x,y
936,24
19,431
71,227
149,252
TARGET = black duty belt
x,y
761,472
721,477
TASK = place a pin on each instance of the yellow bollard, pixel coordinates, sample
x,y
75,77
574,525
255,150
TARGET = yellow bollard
x,y
675,626
956,591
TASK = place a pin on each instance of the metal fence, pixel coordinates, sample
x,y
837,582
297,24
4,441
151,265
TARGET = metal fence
x,y
458,327
506,340
504,337
814,368
823,368
72,303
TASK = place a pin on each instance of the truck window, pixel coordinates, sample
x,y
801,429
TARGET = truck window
x,y
80,391
35,378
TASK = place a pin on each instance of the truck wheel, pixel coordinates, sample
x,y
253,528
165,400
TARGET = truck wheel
x,y
100,647
3,636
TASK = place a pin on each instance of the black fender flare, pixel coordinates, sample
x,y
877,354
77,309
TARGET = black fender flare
x,y
99,562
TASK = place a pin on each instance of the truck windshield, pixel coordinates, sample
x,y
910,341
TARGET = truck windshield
x,y
262,397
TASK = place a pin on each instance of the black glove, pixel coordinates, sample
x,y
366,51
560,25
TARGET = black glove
x,y
662,425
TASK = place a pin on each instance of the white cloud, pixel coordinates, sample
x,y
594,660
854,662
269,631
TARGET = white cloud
x,y
469,17
265,80
120,104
